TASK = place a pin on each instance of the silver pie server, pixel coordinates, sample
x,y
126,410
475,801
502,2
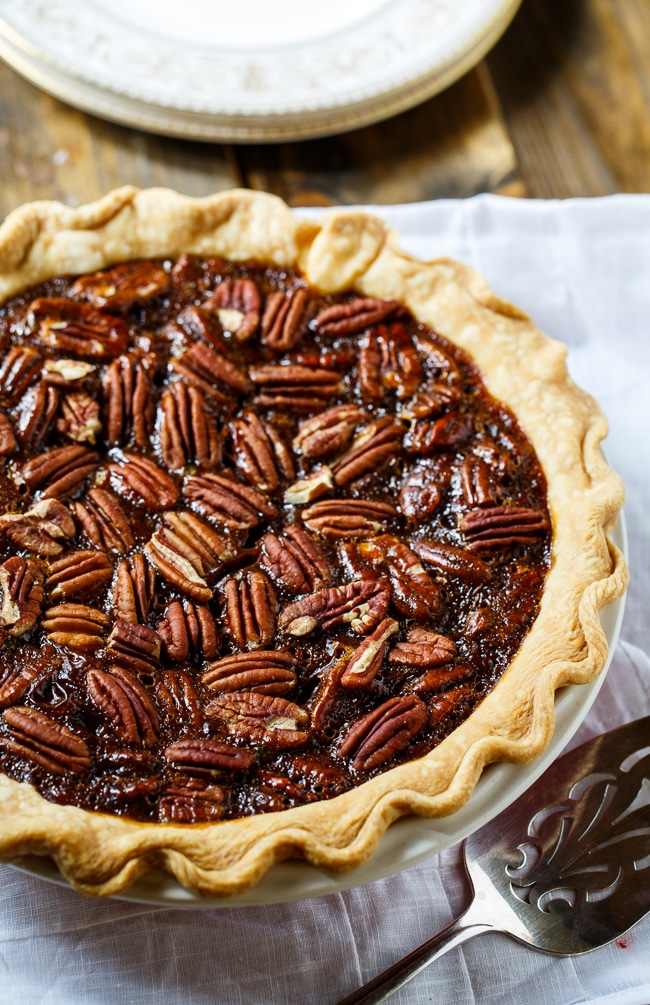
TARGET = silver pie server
x,y
565,869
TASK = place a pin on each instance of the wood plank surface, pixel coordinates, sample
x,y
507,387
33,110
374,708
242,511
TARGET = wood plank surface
x,y
560,107
49,150
453,145
573,77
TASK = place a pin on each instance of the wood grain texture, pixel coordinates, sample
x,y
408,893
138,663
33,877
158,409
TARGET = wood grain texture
x,y
573,77
51,151
451,146
560,107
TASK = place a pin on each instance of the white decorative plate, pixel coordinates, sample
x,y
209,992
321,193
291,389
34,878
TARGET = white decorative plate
x,y
410,839
259,71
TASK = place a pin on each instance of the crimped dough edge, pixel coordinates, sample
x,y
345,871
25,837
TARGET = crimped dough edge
x,y
101,854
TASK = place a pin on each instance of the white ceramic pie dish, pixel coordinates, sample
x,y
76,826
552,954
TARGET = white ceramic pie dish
x,y
567,643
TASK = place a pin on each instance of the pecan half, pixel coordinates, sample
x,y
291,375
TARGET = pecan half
x,y
476,483
143,482
35,414
455,562
431,401
227,501
372,449
328,432
438,680
295,560
103,521
384,732
132,592
66,372
521,606
444,704
128,402
188,431
135,647
196,541
205,758
325,699
259,452
237,304
423,649
263,719
284,322
75,625
197,322
348,518
60,472
19,369
55,517
8,442
352,317
41,528
413,591
297,388
498,458
80,329
43,742
204,367
442,365
189,629
311,777
129,790
271,791
498,527
194,803
16,682
388,361
123,286
361,604
80,417
264,671
250,610
432,436
125,704
79,573
479,622
178,563
351,560
367,659
176,696
421,493
21,583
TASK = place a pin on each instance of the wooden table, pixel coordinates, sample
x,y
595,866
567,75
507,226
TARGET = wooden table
x,y
559,108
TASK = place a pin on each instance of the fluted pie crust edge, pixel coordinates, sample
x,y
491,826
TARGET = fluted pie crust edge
x,y
101,854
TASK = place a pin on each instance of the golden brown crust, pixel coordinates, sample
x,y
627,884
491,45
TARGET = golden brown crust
x,y
521,366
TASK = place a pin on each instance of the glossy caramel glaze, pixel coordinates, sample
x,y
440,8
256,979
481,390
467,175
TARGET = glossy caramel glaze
x,y
422,438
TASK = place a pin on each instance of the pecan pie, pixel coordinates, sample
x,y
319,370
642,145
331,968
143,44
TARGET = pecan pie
x,y
297,534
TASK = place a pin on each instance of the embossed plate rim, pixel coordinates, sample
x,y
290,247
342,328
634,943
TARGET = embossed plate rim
x,y
410,839
220,119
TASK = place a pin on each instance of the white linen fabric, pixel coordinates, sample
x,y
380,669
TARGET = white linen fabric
x,y
581,268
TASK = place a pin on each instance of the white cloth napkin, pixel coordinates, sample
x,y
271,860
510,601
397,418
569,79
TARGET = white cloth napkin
x,y
582,270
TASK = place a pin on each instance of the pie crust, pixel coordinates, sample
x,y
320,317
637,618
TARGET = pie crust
x,y
102,854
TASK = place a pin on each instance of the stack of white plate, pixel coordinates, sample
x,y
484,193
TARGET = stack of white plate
x,y
247,70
